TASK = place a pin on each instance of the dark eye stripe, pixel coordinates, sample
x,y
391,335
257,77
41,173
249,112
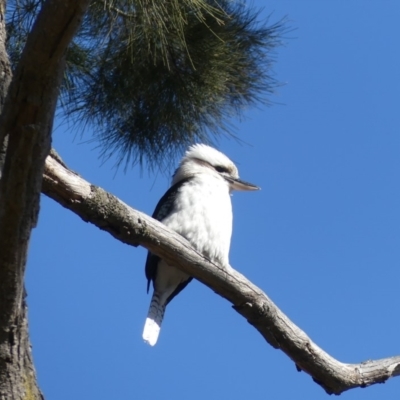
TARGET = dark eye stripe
x,y
220,168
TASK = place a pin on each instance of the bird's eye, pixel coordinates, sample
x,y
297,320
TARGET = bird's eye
x,y
220,168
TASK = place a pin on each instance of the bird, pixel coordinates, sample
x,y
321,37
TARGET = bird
x,y
198,207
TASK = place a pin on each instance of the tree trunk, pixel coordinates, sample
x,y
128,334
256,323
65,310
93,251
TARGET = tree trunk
x,y
17,373
26,119
5,75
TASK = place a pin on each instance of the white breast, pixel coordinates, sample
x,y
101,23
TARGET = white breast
x,y
203,215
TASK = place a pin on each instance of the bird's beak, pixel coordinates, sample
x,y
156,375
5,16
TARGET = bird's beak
x,y
237,184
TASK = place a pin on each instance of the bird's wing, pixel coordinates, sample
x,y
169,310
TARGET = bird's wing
x,y
151,268
165,207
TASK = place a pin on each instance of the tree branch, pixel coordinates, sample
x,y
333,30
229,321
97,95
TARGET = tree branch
x,y
132,227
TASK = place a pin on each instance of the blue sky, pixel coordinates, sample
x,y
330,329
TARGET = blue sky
x,y
321,238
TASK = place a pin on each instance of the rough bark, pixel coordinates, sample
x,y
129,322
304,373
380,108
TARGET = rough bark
x,y
132,227
5,68
5,75
27,119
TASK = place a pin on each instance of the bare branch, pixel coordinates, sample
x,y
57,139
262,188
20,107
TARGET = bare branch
x,y
132,227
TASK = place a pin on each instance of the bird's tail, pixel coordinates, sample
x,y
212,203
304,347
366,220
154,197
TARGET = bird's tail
x,y
154,319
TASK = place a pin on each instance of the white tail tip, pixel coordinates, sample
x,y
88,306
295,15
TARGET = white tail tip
x,y
151,331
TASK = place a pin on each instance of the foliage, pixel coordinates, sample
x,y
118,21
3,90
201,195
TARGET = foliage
x,y
152,76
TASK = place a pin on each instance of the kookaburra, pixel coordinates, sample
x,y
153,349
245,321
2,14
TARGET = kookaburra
x,y
198,207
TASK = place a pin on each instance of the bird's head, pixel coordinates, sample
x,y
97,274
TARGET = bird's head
x,y
203,159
